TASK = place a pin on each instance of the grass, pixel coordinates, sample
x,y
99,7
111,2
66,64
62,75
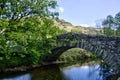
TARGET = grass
x,y
76,54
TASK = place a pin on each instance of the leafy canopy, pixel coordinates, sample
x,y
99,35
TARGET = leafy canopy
x,y
17,9
26,31
112,25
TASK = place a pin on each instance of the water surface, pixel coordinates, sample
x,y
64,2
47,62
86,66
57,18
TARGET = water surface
x,y
79,71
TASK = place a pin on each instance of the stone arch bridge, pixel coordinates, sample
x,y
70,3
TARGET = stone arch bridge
x,y
106,48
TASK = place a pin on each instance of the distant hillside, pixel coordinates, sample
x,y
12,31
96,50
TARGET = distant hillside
x,y
67,26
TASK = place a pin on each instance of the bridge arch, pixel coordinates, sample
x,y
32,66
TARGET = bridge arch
x,y
106,48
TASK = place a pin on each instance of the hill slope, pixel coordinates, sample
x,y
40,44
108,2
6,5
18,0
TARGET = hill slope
x,y
67,26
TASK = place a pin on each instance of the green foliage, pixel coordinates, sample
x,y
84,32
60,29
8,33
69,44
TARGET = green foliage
x,y
28,38
112,25
26,31
17,9
69,58
76,54
117,23
108,25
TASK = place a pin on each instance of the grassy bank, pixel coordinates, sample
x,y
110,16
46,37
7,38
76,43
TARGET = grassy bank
x,y
76,54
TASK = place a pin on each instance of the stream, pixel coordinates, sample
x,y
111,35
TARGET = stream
x,y
92,70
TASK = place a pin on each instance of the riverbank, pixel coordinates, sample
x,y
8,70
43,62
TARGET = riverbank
x,y
71,55
30,67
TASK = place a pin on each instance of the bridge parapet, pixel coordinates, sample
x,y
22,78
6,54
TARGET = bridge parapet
x,y
73,36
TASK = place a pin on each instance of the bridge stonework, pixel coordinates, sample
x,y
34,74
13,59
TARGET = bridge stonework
x,y
106,48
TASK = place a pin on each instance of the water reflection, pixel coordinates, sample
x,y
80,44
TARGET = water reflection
x,y
84,71
22,77
88,72
51,72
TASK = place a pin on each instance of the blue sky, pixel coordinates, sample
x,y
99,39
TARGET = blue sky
x,y
87,11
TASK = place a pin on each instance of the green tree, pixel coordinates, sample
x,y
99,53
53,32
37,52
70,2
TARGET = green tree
x,y
17,9
108,24
117,23
26,31
111,25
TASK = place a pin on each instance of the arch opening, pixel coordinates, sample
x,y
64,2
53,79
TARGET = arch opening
x,y
77,54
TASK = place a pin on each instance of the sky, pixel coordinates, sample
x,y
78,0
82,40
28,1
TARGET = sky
x,y
87,12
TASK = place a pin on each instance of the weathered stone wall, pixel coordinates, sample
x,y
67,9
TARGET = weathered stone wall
x,y
106,48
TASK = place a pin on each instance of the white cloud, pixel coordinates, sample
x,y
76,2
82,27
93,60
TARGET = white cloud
x,y
85,25
61,9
